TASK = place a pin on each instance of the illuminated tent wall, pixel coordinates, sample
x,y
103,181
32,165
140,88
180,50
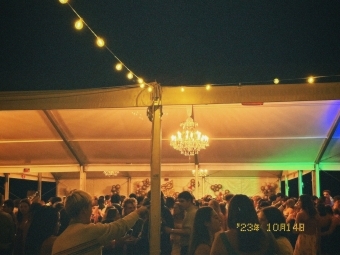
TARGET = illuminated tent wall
x,y
75,135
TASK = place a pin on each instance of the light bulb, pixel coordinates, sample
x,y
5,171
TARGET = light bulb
x,y
100,42
311,79
63,1
276,81
149,89
142,85
182,89
208,87
119,66
129,75
140,80
79,24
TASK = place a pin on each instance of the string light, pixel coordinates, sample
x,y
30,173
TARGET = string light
x,y
79,24
119,67
311,79
100,42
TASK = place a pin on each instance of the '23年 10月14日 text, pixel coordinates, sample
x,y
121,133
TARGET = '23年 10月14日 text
x,y
271,227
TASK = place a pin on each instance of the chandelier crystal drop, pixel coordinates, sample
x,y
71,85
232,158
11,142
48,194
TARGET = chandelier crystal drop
x,y
110,173
200,172
189,141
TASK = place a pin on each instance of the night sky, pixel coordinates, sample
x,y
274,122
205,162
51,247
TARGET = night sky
x,y
171,42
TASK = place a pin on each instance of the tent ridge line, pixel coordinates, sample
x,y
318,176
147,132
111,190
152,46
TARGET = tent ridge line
x,y
328,139
54,123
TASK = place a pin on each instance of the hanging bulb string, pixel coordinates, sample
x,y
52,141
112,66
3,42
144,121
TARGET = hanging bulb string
x,y
121,62
76,13
131,74
263,82
107,48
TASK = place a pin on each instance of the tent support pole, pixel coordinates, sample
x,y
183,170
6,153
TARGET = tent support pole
x,y
286,186
57,188
40,185
279,184
316,180
129,186
203,186
155,210
6,188
328,139
82,178
196,182
300,182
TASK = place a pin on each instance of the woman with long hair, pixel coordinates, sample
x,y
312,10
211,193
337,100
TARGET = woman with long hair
x,y
245,236
214,204
178,215
307,227
23,221
206,224
42,231
272,219
112,214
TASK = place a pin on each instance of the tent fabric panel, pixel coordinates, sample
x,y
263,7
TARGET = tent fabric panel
x,y
177,174
257,151
116,97
105,132
249,186
115,152
268,120
246,185
125,123
332,153
131,96
253,93
26,125
35,153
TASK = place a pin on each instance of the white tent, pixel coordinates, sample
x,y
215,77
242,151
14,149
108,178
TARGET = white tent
x,y
98,129
254,131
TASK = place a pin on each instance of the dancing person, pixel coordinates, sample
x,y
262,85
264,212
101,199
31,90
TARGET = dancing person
x,y
81,237
245,236
214,204
307,227
206,225
7,231
23,222
43,231
272,219
328,199
186,202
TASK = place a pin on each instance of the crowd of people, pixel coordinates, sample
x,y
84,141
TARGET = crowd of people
x,y
115,224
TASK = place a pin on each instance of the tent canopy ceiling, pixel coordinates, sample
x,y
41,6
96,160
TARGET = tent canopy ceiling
x,y
285,133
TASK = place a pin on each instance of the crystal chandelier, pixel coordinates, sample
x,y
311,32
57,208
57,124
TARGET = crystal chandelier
x,y
110,173
200,172
189,141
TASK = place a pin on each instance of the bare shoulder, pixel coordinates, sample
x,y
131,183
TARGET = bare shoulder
x,y
302,215
202,249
